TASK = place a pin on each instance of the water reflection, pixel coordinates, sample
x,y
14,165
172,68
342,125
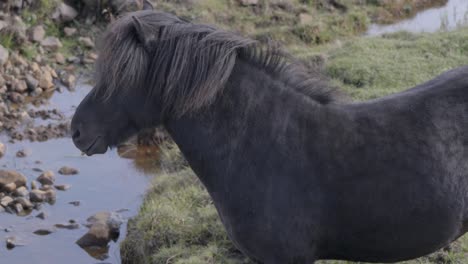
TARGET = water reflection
x,y
449,17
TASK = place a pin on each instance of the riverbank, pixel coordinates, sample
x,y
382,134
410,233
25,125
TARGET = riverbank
x,y
178,222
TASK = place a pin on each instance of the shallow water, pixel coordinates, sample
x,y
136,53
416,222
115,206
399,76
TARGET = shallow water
x,y
104,183
454,14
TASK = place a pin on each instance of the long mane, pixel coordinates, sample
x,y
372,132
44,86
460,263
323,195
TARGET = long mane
x,y
187,65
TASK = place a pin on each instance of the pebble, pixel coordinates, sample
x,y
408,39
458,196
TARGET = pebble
x,y
65,170
62,187
41,215
23,153
44,231
6,201
2,149
21,192
75,203
46,178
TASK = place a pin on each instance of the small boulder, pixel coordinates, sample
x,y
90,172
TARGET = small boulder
x,y
4,54
51,43
39,196
21,192
86,41
10,187
59,58
69,80
69,31
46,178
6,201
64,13
2,149
65,170
103,227
25,203
31,82
36,33
8,176
41,215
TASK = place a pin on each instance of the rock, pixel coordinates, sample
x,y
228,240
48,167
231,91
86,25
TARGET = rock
x,y
44,231
18,208
23,153
248,2
11,243
10,187
46,178
31,82
36,33
2,149
25,203
69,31
69,80
73,59
59,58
21,192
7,176
65,170
51,43
64,13
6,201
4,54
104,227
75,203
41,215
86,41
46,188
33,185
39,196
62,187
46,80
70,226
19,86
16,97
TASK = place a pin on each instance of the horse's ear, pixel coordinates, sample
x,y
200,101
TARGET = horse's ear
x,y
141,34
147,5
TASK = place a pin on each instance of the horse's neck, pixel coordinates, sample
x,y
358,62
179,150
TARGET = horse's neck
x,y
229,137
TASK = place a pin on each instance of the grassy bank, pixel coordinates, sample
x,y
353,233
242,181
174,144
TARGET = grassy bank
x,y
178,223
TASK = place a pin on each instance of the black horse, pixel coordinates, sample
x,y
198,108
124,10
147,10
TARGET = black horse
x,y
295,175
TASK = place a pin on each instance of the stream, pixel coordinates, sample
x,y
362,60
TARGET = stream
x,y
449,17
104,183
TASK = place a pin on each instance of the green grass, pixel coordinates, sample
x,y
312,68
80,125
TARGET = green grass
x,y
373,67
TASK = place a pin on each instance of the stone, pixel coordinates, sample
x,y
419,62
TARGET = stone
x,y
21,192
39,196
46,178
69,80
6,201
75,203
2,149
248,2
18,208
16,97
20,86
23,153
62,187
65,170
25,203
31,82
69,226
36,33
103,227
33,185
4,54
11,243
86,41
41,215
10,187
8,176
59,58
64,13
44,231
46,80
51,43
69,31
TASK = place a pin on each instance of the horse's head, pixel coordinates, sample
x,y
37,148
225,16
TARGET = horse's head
x,y
119,105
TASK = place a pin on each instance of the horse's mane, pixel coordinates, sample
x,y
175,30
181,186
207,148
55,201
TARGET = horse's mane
x,y
188,64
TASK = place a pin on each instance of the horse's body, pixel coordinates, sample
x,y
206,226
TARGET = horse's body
x,y
295,179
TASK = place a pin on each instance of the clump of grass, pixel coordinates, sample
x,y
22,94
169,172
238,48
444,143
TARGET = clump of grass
x,y
178,224
7,40
373,67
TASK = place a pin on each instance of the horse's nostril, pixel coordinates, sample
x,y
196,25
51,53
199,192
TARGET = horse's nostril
x,y
76,135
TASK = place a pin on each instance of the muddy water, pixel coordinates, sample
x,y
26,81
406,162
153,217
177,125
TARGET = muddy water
x,y
454,14
105,183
